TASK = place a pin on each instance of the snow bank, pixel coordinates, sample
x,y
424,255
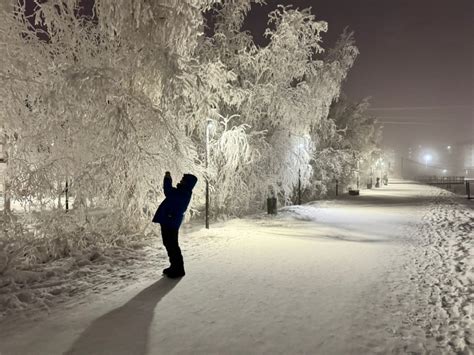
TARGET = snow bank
x,y
301,213
24,291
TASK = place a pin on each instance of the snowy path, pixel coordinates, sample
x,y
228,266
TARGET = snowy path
x,y
386,272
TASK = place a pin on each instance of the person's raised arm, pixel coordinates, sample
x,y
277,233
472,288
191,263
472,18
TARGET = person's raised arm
x,y
167,184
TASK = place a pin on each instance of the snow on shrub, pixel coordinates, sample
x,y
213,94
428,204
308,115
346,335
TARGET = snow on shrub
x,y
51,236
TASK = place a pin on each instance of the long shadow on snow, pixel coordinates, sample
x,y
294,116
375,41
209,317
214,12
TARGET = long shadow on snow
x,y
356,237
124,330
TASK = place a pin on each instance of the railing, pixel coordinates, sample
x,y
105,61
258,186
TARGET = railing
x,y
448,181
441,180
469,181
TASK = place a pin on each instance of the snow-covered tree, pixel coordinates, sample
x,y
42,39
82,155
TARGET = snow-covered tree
x,y
349,143
88,99
106,99
288,87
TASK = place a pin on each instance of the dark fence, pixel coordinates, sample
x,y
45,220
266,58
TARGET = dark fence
x,y
441,180
448,181
468,187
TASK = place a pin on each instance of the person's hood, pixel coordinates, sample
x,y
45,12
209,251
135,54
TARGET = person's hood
x,y
189,181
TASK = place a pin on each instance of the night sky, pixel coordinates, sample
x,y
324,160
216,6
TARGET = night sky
x,y
416,63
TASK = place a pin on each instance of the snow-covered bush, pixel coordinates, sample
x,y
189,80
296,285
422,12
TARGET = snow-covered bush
x,y
14,240
48,235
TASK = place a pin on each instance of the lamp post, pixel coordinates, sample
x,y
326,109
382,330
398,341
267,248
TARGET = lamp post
x,y
300,146
358,174
208,127
401,169
66,191
427,158
357,171
299,186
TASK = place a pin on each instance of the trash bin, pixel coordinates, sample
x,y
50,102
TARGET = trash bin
x,y
377,184
272,205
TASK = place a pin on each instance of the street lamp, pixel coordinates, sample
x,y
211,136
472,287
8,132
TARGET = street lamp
x,y
300,146
427,158
209,126
379,171
358,174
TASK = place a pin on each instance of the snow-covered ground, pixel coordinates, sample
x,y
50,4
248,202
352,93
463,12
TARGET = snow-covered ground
x,y
390,271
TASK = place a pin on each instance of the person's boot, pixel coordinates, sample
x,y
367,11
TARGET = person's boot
x,y
175,273
167,270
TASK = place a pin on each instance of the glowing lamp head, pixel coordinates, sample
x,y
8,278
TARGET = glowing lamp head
x,y
428,157
210,123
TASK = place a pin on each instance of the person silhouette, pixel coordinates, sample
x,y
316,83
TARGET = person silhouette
x,y
170,215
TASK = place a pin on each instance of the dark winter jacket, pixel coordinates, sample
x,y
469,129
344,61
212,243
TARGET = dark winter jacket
x,y
171,210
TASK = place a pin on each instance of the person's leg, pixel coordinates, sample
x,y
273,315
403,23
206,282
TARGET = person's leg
x,y
166,237
170,241
176,258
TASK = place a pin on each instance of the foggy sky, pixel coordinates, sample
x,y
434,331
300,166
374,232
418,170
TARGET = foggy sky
x,y
416,63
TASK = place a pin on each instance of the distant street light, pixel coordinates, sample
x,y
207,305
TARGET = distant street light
x,y
445,171
427,158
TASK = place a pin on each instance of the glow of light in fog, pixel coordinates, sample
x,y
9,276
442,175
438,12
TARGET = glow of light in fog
x,y
427,158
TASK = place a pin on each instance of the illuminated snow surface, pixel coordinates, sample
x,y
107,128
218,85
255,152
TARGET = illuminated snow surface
x,y
389,271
